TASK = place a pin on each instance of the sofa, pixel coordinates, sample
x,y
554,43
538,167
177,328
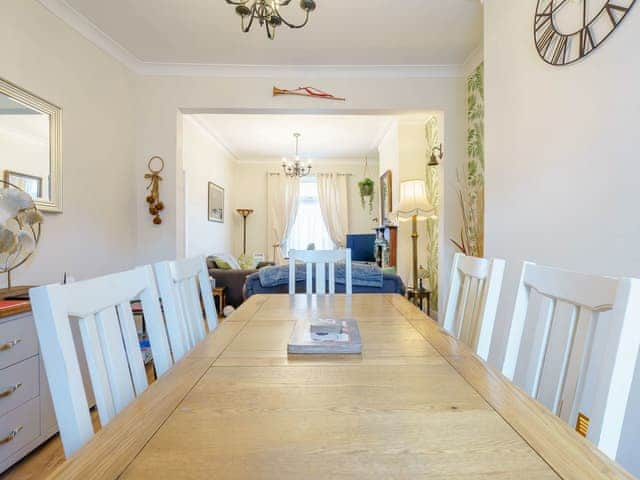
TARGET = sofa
x,y
391,283
233,278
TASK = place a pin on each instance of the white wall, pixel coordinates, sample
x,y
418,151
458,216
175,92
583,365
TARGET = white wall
x,y
561,161
160,101
250,191
204,161
97,232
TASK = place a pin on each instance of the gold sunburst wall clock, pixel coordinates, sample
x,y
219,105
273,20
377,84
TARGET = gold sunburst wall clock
x,y
566,31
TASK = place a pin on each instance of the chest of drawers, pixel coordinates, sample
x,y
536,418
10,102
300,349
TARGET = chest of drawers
x,y
27,418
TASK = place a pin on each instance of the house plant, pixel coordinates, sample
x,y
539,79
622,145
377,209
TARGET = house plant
x,y
366,187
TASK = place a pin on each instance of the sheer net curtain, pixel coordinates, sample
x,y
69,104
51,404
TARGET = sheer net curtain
x,y
334,205
309,226
283,193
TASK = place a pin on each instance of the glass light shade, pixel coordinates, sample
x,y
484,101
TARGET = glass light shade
x,y
413,201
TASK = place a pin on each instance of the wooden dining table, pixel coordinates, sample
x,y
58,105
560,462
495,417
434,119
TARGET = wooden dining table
x,y
415,404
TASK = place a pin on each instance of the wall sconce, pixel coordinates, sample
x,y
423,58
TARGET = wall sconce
x,y
433,162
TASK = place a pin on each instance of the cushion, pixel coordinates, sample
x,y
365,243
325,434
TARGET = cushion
x,y
222,258
247,262
222,264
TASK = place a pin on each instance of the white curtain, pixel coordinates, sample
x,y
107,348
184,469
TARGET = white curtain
x,y
282,192
332,194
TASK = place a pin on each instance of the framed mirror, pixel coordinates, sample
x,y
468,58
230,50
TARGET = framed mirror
x,y
386,198
30,145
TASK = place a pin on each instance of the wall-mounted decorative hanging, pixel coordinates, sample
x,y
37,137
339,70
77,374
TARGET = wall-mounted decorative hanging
x,y
216,203
307,92
20,228
267,13
153,198
560,41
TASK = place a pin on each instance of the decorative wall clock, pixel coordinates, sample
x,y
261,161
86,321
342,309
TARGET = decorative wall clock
x,y
567,30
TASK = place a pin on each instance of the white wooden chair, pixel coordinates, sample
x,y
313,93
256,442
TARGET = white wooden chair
x,y
580,361
109,339
474,291
321,258
182,283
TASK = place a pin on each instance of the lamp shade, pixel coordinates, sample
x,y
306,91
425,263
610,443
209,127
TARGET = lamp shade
x,y
413,201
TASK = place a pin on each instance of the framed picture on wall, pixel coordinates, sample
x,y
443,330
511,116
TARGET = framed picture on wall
x,y
216,203
386,199
29,183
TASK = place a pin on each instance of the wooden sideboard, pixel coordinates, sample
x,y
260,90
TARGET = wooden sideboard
x,y
27,418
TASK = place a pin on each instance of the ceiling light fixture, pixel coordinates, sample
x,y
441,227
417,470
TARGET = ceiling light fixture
x,y
267,13
296,167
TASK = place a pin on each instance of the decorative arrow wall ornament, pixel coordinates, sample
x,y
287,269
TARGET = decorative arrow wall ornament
x,y
307,92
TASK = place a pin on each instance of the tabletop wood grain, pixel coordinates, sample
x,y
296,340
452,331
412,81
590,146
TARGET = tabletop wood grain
x,y
415,404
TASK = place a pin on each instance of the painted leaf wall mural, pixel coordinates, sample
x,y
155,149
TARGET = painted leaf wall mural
x,y
432,136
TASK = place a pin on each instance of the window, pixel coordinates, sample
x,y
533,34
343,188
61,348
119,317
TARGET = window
x,y
309,226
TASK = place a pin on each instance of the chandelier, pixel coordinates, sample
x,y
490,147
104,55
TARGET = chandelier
x,y
267,13
296,167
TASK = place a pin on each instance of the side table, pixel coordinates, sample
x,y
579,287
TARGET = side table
x,y
417,296
221,294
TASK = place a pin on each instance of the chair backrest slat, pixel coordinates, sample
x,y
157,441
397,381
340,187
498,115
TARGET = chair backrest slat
x,y
97,369
185,289
472,302
323,260
557,369
132,348
115,358
101,307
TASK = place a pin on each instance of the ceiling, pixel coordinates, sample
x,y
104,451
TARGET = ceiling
x,y
260,137
340,32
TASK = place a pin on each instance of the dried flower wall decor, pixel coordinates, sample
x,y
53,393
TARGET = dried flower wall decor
x,y
20,227
153,198
307,92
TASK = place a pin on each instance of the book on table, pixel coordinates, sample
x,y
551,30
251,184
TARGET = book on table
x,y
325,336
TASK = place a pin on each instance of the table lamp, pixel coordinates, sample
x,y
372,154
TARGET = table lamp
x,y
414,206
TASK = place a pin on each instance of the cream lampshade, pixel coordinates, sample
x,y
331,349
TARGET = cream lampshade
x,y
413,201
414,206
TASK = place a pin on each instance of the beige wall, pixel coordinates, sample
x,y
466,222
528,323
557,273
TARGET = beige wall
x,y
403,150
562,165
160,101
97,232
250,191
204,161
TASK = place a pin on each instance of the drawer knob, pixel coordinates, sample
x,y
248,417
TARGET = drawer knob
x,y
9,390
10,344
12,434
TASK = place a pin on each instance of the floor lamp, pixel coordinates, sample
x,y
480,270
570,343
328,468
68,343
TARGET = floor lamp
x,y
414,206
244,212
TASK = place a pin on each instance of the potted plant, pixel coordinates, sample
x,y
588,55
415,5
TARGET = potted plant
x,y
366,191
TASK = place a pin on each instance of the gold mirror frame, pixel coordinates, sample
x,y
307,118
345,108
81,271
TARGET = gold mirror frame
x,y
54,204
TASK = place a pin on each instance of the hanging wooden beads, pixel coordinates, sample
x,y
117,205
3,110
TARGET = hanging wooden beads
x,y
153,198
